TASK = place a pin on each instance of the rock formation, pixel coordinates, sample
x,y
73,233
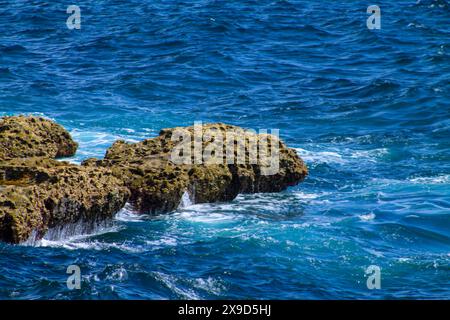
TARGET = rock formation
x,y
23,137
157,182
39,193
212,163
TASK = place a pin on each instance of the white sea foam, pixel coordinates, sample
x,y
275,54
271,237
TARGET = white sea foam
x,y
171,282
320,156
164,241
302,195
440,179
246,207
370,155
434,180
94,143
85,244
209,284
367,217
340,156
93,138
213,207
127,215
185,201
72,231
208,217
78,236
118,274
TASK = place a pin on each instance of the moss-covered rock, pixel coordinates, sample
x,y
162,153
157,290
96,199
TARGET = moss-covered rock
x,y
226,161
29,136
38,194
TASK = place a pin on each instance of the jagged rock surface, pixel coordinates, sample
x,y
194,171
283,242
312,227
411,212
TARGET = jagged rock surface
x,y
38,194
27,136
157,184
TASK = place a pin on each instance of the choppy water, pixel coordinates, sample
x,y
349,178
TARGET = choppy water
x,y
369,111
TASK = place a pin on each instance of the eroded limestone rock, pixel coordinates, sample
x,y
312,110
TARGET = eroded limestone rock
x,y
37,194
28,136
157,180
212,163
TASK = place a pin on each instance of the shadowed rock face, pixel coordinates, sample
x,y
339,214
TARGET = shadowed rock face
x,y
23,137
37,194
157,184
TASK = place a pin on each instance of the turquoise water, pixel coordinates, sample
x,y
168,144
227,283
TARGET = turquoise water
x,y
369,112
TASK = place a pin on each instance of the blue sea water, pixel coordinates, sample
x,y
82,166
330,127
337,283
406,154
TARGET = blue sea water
x,y
368,111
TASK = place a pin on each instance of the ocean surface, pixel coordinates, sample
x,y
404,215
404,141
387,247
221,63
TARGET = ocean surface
x,y
368,111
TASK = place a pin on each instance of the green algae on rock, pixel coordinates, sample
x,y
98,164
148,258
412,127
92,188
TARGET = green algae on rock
x,y
157,182
30,136
39,194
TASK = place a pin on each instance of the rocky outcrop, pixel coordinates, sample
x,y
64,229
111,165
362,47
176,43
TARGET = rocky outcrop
x,y
38,194
210,163
24,136
219,162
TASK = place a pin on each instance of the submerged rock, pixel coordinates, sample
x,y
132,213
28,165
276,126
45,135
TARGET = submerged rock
x,y
28,136
39,194
215,162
